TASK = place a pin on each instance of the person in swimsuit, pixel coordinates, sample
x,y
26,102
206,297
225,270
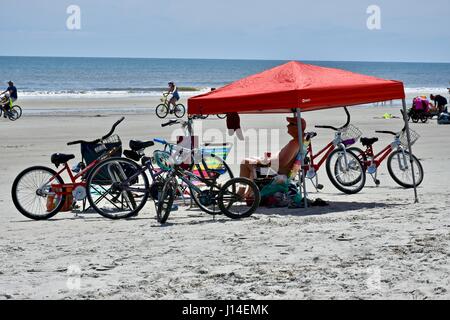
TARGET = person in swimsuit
x,y
175,96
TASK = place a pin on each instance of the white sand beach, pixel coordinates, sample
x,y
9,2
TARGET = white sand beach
x,y
377,244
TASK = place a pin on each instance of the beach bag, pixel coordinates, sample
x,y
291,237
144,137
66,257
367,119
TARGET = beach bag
x,y
444,118
51,201
276,194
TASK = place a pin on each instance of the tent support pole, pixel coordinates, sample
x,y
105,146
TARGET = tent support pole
x,y
301,173
408,136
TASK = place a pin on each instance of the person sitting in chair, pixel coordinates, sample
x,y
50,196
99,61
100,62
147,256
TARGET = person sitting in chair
x,y
284,161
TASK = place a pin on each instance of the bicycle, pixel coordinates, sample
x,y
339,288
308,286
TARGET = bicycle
x,y
335,153
398,162
13,112
237,198
40,192
163,109
131,177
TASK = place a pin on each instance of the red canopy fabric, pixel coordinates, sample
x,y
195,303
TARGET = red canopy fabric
x,y
296,85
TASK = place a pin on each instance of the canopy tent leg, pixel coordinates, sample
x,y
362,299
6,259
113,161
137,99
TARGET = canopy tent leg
x,y
301,172
408,137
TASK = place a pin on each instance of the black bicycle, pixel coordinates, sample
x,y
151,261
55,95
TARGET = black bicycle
x,y
236,197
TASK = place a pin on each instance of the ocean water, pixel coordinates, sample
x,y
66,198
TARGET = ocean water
x,y
113,77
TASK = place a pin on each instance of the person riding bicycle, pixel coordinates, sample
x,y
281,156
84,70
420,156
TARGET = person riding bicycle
x,y
439,101
175,96
12,91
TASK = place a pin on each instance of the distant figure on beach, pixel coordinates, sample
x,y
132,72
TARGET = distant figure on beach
x,y
439,101
12,91
285,159
175,96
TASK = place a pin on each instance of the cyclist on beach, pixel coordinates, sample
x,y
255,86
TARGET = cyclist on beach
x,y
12,91
175,96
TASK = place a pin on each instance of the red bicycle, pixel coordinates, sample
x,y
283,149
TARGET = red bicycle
x,y
40,192
398,162
351,177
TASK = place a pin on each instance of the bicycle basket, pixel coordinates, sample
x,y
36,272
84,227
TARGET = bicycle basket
x,y
404,138
350,132
93,151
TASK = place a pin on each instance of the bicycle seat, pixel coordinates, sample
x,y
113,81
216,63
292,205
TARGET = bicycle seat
x,y
367,142
310,135
58,158
137,145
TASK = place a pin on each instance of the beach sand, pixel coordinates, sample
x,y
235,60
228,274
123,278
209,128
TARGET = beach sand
x,y
376,244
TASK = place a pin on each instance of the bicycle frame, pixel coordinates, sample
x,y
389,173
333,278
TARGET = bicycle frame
x,y
73,178
325,151
378,158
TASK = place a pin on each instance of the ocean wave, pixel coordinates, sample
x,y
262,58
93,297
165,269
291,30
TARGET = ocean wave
x,y
424,90
157,92
109,93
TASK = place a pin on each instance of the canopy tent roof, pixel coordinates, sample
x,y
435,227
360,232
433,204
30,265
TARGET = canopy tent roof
x,y
296,85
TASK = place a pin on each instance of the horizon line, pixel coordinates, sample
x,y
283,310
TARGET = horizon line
x,y
229,59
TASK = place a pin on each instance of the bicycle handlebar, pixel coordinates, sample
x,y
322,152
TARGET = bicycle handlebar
x,y
162,141
327,127
386,132
113,128
340,128
171,122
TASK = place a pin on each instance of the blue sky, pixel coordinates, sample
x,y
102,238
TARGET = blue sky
x,y
282,29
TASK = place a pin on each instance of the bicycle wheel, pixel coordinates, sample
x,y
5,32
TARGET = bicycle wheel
x,y
32,193
360,154
162,111
239,198
179,111
18,109
13,115
117,188
165,200
399,167
345,171
217,172
222,116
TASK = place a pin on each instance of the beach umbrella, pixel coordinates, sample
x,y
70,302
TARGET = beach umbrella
x,y
296,87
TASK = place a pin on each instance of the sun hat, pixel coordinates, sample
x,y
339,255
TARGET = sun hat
x,y
293,120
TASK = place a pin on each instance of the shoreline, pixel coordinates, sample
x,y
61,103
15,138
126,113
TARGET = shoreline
x,y
144,105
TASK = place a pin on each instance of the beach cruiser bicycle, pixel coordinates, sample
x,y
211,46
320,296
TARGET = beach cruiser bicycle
x,y
398,158
12,112
351,177
40,192
131,177
163,109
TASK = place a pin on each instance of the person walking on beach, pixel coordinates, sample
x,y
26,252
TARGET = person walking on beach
x,y
175,96
12,91
439,101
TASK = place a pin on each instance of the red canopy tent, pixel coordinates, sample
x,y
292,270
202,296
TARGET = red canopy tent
x,y
298,87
